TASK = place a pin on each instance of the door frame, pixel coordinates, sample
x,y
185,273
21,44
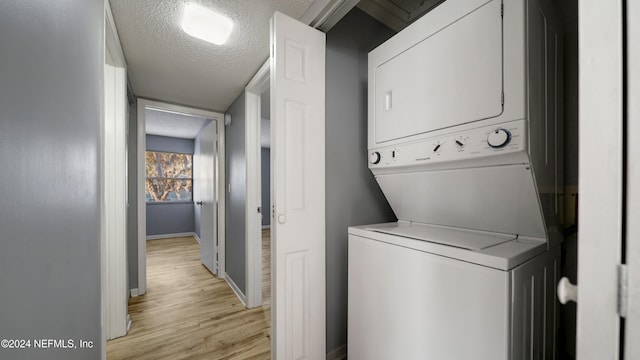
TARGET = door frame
x,y
114,298
219,249
253,220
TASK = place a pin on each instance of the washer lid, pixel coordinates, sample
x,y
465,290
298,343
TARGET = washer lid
x,y
494,199
457,237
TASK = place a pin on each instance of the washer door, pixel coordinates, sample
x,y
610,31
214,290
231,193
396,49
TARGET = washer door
x,y
408,304
452,77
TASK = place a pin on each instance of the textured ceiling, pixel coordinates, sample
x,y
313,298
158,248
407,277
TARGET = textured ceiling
x,y
166,64
174,125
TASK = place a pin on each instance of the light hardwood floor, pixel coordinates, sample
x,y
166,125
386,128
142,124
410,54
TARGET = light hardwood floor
x,y
187,313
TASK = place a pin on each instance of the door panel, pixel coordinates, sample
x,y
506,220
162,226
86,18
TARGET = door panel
x,y
600,179
204,165
298,229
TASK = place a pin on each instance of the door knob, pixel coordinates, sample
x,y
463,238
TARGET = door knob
x,y
567,291
282,219
199,203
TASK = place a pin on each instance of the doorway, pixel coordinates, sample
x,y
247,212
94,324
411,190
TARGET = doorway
x,y
257,138
213,255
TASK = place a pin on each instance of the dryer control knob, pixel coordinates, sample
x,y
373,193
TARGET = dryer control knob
x,y
375,157
499,138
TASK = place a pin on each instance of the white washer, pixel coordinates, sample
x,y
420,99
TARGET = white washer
x,y
416,299
463,139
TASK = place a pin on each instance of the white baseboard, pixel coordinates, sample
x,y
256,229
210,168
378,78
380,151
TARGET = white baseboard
x,y
128,323
134,292
197,237
235,289
264,227
167,236
339,353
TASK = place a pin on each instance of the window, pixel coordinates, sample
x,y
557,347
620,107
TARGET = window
x,y
169,177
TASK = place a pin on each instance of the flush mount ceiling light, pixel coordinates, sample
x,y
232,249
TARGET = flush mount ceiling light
x,y
205,24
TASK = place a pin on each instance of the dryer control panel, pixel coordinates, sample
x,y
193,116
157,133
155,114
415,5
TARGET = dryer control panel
x,y
483,142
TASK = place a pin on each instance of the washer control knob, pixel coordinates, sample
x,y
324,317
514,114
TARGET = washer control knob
x,y
499,138
374,158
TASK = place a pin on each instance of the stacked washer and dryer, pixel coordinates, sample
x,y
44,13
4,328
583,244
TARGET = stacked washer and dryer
x,y
464,138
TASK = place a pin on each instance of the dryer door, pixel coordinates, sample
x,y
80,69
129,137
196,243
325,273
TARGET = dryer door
x,y
452,76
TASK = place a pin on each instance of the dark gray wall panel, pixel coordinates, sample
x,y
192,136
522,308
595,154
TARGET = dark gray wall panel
x,y
51,101
265,168
236,199
169,144
353,196
132,188
172,218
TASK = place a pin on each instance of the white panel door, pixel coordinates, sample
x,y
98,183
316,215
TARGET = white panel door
x,y
205,181
298,189
601,179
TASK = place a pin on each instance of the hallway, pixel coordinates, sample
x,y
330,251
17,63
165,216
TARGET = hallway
x,y
188,313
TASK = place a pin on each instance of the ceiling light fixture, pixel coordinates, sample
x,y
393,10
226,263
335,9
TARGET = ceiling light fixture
x,y
205,24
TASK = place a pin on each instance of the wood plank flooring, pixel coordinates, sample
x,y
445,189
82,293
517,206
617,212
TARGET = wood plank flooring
x,y
187,313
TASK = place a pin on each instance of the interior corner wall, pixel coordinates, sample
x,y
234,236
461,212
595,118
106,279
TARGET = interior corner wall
x,y
236,175
353,196
51,106
132,196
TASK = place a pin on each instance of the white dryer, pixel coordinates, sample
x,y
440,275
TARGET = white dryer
x,y
464,140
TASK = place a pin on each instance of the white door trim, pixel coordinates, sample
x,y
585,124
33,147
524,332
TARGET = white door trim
x,y
632,329
253,221
220,191
600,179
324,14
114,297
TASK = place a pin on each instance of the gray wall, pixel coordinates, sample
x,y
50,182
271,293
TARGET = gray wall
x,y
170,218
169,144
265,157
132,188
236,200
51,100
353,196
